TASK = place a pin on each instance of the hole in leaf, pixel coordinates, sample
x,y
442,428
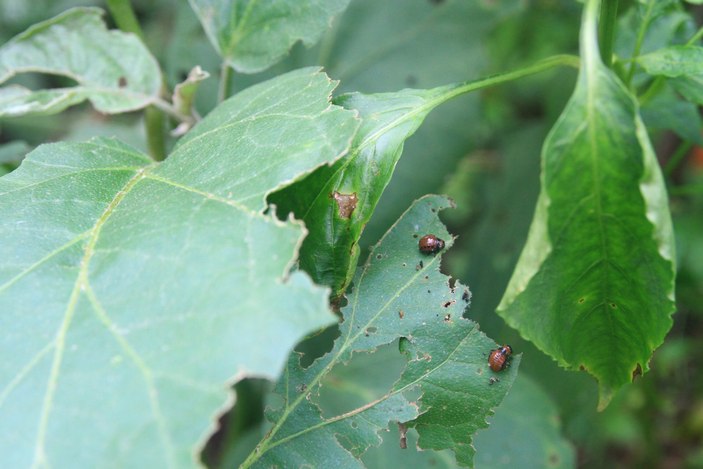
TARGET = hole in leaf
x,y
449,303
448,318
581,300
122,82
613,305
419,266
466,296
379,256
354,424
415,235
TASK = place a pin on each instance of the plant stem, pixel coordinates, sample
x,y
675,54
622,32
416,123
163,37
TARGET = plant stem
x,y
606,30
542,65
638,43
225,88
123,14
677,157
126,20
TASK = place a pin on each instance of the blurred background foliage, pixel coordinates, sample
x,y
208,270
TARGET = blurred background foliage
x,y
482,150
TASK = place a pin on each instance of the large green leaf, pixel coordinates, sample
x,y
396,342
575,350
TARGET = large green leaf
x,y
594,284
683,65
252,35
336,202
445,392
113,70
132,293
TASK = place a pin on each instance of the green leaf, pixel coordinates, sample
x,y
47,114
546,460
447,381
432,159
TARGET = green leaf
x,y
398,293
594,285
113,70
133,293
668,111
252,35
524,432
683,65
336,202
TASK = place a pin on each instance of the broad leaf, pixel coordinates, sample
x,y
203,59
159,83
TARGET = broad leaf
x,y
252,35
113,70
337,202
398,293
683,65
594,285
132,293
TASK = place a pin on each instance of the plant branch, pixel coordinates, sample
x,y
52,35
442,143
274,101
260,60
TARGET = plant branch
x,y
225,89
606,30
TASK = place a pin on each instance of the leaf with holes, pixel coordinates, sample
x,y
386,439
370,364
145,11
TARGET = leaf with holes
x,y
594,285
133,293
113,69
445,392
253,35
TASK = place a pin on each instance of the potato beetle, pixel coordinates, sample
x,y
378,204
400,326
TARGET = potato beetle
x,y
430,244
498,358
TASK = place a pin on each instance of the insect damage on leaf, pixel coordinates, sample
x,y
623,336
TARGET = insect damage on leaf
x,y
346,203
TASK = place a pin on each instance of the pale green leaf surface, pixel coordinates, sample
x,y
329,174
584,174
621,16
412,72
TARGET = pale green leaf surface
x,y
601,244
683,65
252,35
330,253
131,301
399,292
525,432
113,69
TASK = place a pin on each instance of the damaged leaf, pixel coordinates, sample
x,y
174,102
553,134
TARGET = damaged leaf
x,y
445,391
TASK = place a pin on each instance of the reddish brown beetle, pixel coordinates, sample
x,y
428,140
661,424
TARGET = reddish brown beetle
x,y
498,359
430,244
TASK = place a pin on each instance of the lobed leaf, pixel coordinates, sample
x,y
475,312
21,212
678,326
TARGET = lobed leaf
x,y
113,69
133,293
594,285
252,35
399,292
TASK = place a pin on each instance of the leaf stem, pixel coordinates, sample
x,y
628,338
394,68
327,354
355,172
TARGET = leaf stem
x,y
126,20
540,66
638,43
677,157
225,88
123,14
606,30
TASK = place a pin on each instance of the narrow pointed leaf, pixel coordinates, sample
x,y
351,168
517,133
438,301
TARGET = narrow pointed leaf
x,y
252,35
399,292
133,293
594,285
113,69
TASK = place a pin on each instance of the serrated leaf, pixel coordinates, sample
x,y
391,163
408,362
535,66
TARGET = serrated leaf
x,y
594,285
683,65
399,292
252,35
113,69
336,202
133,293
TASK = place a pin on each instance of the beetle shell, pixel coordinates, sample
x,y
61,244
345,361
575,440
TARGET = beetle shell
x,y
430,244
498,359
